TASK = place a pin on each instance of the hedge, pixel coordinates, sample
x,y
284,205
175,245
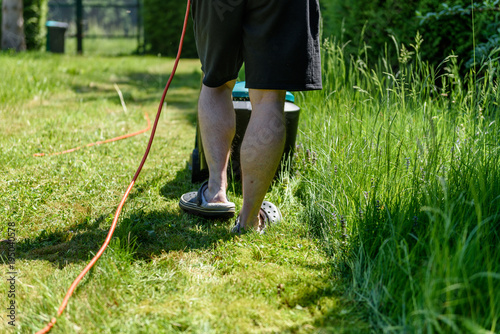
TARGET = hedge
x,y
360,23
163,21
35,17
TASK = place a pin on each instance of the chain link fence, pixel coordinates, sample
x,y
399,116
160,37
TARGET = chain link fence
x,y
108,26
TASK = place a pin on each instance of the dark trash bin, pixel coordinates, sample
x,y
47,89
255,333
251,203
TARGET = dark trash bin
x,y
243,109
55,36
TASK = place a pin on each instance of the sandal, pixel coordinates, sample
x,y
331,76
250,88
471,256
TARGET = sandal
x,y
269,214
194,203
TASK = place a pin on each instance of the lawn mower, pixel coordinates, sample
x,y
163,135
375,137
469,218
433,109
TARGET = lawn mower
x,y
243,109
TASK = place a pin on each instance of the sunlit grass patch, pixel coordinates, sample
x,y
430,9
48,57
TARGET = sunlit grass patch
x,y
165,271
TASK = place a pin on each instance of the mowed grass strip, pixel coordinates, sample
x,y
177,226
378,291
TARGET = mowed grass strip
x,y
164,271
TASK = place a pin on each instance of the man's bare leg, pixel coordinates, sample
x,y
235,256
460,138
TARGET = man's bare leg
x,y
261,151
217,122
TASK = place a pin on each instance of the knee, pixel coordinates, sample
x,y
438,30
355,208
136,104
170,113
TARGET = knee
x,y
258,96
226,88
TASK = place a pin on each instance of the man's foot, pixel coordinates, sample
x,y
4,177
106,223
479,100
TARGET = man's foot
x,y
195,203
269,214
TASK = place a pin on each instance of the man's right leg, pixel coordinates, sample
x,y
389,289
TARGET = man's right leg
x,y
217,123
261,151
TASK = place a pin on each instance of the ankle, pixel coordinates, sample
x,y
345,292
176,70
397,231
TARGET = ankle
x,y
215,195
250,222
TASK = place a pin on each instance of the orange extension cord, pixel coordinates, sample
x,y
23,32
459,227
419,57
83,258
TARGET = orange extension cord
x,y
122,202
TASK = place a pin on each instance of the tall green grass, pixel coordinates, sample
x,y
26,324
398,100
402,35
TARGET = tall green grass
x,y
404,188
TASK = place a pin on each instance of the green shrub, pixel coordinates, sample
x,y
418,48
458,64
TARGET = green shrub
x,y
366,26
361,23
35,16
0,20
163,21
472,43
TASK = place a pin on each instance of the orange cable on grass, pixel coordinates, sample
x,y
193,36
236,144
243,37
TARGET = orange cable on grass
x,y
100,142
72,288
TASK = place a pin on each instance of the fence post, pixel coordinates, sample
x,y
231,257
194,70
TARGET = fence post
x,y
79,26
140,30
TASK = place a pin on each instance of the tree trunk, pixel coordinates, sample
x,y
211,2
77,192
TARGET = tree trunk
x,y
13,25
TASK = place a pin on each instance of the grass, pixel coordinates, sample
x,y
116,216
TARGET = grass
x,y
392,212
164,271
103,46
401,181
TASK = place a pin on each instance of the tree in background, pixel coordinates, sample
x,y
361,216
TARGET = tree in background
x,y
13,25
32,14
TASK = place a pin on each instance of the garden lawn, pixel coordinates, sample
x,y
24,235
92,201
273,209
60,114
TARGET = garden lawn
x,y
164,271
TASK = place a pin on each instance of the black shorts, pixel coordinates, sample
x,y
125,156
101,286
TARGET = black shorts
x,y
277,39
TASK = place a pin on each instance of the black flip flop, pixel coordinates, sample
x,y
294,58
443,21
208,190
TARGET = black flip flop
x,y
194,203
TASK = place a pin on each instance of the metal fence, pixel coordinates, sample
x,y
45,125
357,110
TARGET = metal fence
x,y
104,20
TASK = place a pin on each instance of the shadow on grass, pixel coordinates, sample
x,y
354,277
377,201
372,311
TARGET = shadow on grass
x,y
335,312
153,82
174,188
153,232
146,87
171,189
